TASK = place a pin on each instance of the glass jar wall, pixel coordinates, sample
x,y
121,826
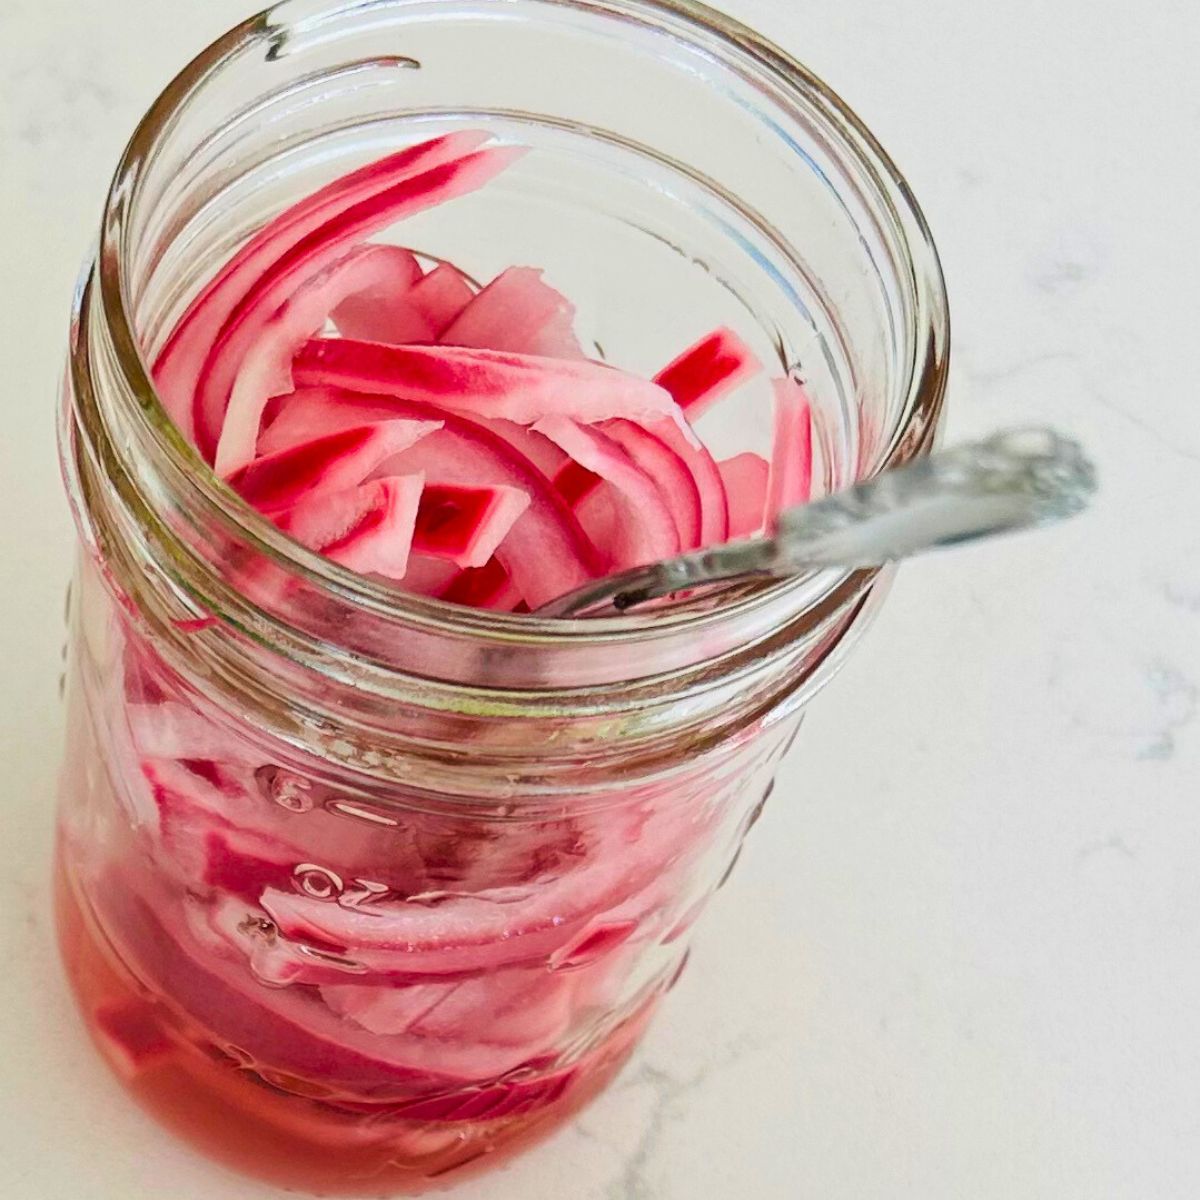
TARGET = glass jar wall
x,y
356,888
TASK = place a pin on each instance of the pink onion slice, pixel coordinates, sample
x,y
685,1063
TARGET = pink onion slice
x,y
667,467
208,837
710,369
594,942
367,528
314,253
521,1008
489,586
177,368
218,830
428,576
791,453
644,529
546,551
546,546
714,506
543,453
521,313
134,1035
466,525
485,383
419,314
163,728
373,275
700,374
745,477
652,454
309,413
340,459
282,1027
492,927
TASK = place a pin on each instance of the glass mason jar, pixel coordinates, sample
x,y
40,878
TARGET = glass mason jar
x,y
357,888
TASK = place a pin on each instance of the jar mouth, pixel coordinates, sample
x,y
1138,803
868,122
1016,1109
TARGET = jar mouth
x,y
817,594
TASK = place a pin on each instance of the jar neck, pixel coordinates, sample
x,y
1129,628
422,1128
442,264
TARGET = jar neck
x,y
374,688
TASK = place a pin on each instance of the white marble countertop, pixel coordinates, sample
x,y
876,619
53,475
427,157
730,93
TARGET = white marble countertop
x,y
960,957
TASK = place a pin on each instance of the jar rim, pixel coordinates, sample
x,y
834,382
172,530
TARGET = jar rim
x,y
818,593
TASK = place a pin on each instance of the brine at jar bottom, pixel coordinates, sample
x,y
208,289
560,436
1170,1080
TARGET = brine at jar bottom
x,y
290,1131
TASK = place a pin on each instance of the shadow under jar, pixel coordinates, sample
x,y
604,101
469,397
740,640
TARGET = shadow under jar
x,y
358,889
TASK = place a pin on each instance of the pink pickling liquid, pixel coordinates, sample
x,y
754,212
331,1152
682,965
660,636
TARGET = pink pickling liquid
x,y
296,1132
